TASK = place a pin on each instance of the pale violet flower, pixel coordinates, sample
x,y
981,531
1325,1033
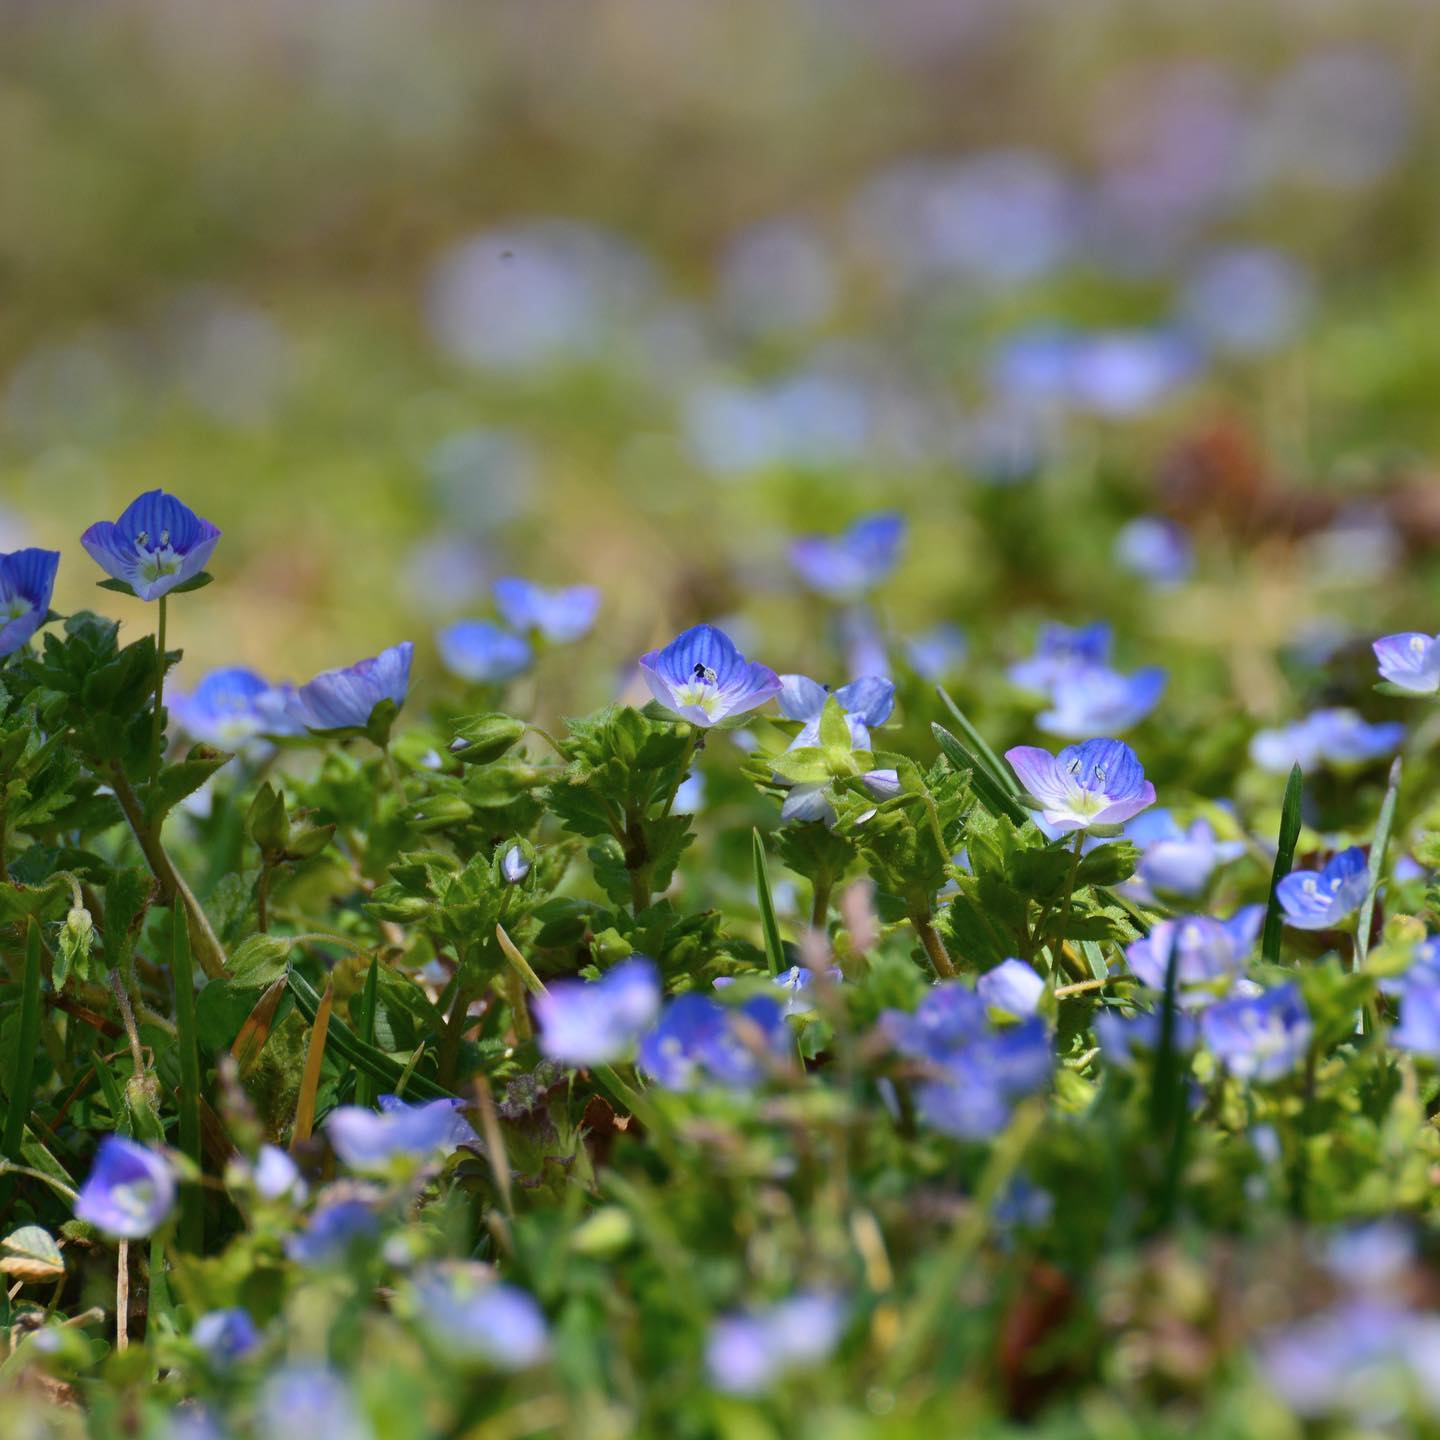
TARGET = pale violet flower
x,y
701,677
1012,987
1410,661
1099,782
1320,900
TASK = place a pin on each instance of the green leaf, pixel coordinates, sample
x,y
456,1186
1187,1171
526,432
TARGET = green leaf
x,y
834,728
991,795
259,961
1377,863
175,782
1284,859
774,948
808,765
994,767
21,1079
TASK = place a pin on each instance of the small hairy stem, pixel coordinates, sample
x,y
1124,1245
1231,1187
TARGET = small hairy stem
x,y
157,736
208,950
122,1296
820,903
934,946
262,898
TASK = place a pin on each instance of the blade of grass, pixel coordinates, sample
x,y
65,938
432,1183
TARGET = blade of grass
x,y
182,972
774,949
27,1039
996,800
364,1084
349,1046
997,770
1167,1094
1383,826
1284,859
310,1079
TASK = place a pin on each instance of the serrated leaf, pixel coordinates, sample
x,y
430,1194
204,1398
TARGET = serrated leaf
x,y
259,961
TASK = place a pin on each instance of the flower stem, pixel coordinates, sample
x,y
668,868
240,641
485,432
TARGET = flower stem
x,y
934,946
157,734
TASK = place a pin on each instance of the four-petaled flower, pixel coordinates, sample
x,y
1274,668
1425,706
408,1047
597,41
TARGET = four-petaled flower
x,y
1087,698
866,703
483,652
594,1022
1263,1037
1410,662
1099,782
233,705
27,580
699,1039
1320,900
701,677
1058,650
344,699
1333,737
130,1190
1208,952
155,545
476,1320
368,1140
559,615
858,559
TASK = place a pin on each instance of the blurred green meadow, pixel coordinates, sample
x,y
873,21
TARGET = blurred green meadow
x,y
408,297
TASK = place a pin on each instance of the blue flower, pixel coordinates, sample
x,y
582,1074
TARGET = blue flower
x,y
974,1090
701,677
371,1141
796,982
1120,1036
1263,1037
475,1320
1320,901
594,1022
483,652
345,699
937,652
1181,862
155,545
974,1073
27,580
1335,737
1099,782
947,1018
1058,650
1419,1027
333,1232
1246,299
847,565
276,1176
699,1039
1012,987
1409,661
225,1336
233,705
559,615
309,1402
747,1353
130,1190
1155,549
1121,373
1207,951
1087,698
866,702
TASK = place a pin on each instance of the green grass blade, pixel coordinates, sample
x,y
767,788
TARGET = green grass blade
x,y
182,971
993,797
996,768
774,949
1383,826
1284,859
27,1039
348,1045
364,1084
